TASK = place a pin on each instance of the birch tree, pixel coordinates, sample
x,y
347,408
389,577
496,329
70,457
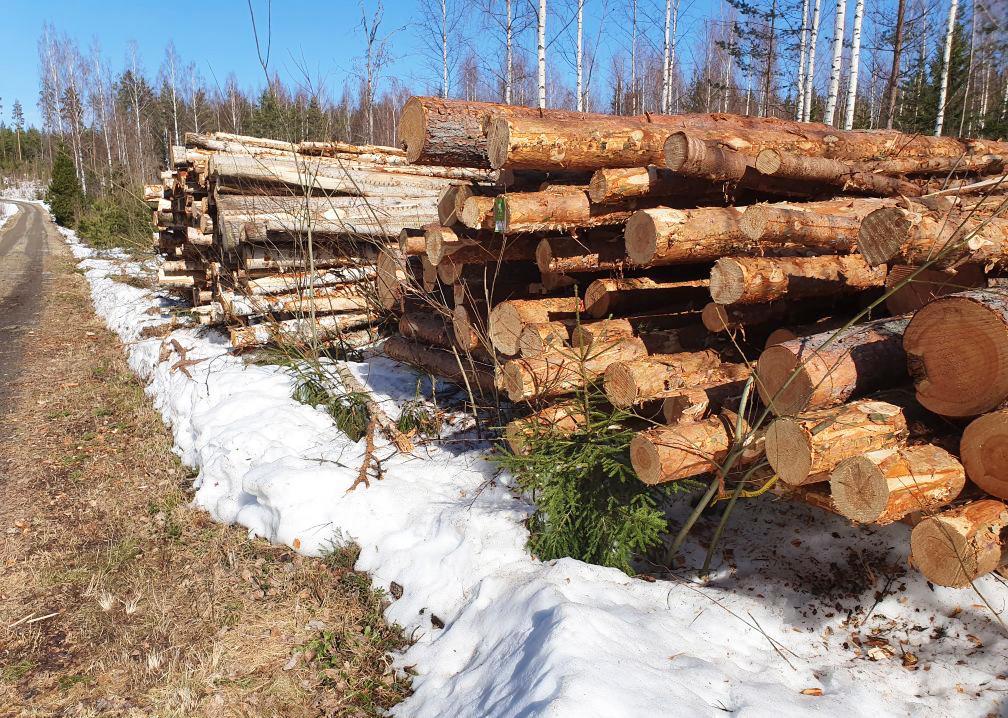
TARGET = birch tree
x,y
834,83
440,31
946,56
855,60
541,45
171,60
580,56
800,110
810,72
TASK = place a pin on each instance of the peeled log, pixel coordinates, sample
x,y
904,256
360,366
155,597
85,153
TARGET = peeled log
x,y
657,375
804,449
692,156
831,367
828,227
661,236
561,419
330,326
918,237
984,452
683,451
564,370
440,363
928,284
957,352
570,255
508,319
957,546
758,280
634,295
883,486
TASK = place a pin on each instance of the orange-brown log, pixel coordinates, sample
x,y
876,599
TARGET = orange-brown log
x,y
825,227
573,255
618,184
688,449
440,363
984,452
760,280
830,368
633,295
588,332
561,419
928,284
804,449
920,236
563,371
392,278
542,337
554,209
960,545
700,400
787,333
825,170
883,486
427,328
508,319
659,375
411,242
692,156
663,236
957,352
719,318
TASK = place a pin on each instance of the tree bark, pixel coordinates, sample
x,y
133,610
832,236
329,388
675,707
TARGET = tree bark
x,y
759,280
656,376
561,419
928,284
845,176
569,255
541,338
298,330
428,328
883,486
958,546
556,209
629,296
894,71
686,450
662,236
509,318
831,368
828,227
719,318
946,56
834,84
693,156
616,185
699,401
923,236
852,83
440,363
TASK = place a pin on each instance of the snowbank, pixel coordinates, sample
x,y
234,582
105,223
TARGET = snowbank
x,y
7,210
802,602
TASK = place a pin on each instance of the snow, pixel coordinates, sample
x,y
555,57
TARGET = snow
x,y
801,600
7,210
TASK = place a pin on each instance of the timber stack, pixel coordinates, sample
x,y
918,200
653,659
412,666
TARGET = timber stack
x,y
679,263
279,240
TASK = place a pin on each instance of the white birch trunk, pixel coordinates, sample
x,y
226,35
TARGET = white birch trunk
x,y
542,54
174,100
666,70
580,57
855,60
946,56
834,84
444,49
104,118
810,72
633,60
800,111
969,74
508,55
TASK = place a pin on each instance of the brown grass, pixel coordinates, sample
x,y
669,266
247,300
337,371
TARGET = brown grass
x,y
118,599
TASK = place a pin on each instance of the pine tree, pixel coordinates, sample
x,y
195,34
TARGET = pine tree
x,y
920,107
65,196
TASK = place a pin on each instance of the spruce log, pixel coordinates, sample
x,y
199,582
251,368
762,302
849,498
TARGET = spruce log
x,y
759,280
700,400
826,227
561,419
804,449
440,363
692,156
832,367
656,376
618,184
571,255
674,236
833,172
984,452
540,338
509,318
928,284
883,486
564,371
945,239
957,352
633,295
686,450
428,328
960,545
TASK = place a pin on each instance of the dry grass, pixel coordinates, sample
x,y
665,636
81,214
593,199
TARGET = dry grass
x,y
118,599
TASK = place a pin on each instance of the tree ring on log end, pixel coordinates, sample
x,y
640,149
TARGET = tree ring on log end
x,y
859,490
773,370
645,459
789,451
413,129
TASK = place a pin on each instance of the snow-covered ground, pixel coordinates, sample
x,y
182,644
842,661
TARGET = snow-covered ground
x,y
7,210
21,189
801,603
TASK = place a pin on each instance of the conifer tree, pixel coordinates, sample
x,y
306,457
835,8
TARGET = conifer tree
x,y
65,196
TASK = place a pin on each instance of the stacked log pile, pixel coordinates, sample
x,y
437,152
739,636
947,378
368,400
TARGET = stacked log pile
x,y
653,257
280,240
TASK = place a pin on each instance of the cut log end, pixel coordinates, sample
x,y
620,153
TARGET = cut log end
x,y
646,460
413,129
754,221
641,235
727,281
789,451
859,489
882,234
774,368
768,162
620,385
955,547
498,142
677,150
984,452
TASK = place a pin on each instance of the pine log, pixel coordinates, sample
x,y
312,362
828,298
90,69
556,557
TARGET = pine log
x,y
571,255
412,241
586,333
958,546
508,319
832,172
673,236
695,157
440,363
346,298
984,452
957,352
883,486
428,328
564,371
447,215
541,338
633,295
656,376
804,449
928,284
561,419
618,184
720,318
468,327
826,227
697,402
832,367
946,240
303,330
551,210
479,250
759,280
787,333
687,450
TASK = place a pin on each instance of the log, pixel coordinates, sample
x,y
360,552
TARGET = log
x,y
927,285
468,328
687,450
787,333
656,376
509,318
826,227
804,449
586,333
412,242
943,239
564,371
720,318
288,258
984,452
304,330
957,353
392,278
958,546
346,298
883,486
558,209
695,157
442,364
480,250
563,419
697,402
427,328
759,280
664,236
540,338
570,255
624,296
824,170
613,185
832,367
